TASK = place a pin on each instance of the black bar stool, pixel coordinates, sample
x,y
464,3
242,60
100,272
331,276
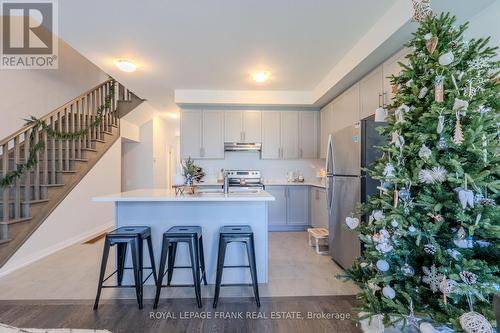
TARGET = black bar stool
x,y
121,237
179,234
243,234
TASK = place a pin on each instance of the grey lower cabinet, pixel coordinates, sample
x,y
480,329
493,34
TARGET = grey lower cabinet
x,y
319,211
290,210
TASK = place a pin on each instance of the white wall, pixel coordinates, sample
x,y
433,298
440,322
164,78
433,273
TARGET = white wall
x,y
66,225
486,23
270,169
145,164
37,92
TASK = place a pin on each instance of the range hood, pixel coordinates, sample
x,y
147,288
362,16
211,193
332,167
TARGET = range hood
x,y
240,146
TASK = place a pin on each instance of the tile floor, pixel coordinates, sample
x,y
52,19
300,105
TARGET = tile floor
x,y
72,274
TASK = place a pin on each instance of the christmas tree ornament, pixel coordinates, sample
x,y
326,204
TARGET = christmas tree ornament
x,y
382,265
478,219
460,105
437,217
468,277
412,229
388,292
463,243
455,83
447,286
440,126
478,64
409,83
407,270
461,233
442,144
424,152
439,174
446,58
431,44
394,88
439,89
428,36
405,194
384,247
363,264
454,254
466,197
374,287
352,222
483,109
432,277
421,9
426,327
473,322
395,199
460,75
389,170
394,223
423,92
425,176
378,215
400,113
430,249
458,136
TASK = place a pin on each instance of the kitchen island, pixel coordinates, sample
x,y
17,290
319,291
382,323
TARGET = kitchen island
x,y
209,209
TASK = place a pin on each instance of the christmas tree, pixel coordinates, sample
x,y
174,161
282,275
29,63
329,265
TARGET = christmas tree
x,y
431,237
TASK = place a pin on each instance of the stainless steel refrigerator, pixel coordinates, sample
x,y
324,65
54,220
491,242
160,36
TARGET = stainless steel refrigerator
x,y
348,151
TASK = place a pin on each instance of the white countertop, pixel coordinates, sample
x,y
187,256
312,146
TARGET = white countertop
x,y
275,182
149,195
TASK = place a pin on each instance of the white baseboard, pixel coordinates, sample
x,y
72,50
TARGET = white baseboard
x,y
10,267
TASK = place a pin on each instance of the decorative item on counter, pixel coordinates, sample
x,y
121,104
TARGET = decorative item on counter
x,y
190,171
440,125
431,44
421,9
220,176
439,89
446,58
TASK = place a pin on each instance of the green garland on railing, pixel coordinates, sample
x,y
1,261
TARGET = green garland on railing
x,y
39,126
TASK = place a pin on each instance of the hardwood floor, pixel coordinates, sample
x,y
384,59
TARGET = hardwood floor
x,y
284,314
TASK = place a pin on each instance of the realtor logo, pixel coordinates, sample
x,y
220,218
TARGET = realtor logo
x,y
29,35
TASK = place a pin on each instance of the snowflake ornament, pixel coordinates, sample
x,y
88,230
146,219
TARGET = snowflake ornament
x,y
478,64
432,277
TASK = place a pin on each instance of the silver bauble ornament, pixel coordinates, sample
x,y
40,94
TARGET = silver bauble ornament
x,y
442,144
446,58
407,270
382,265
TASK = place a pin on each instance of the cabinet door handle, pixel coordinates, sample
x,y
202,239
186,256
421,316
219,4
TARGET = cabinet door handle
x,y
244,136
300,153
384,99
379,100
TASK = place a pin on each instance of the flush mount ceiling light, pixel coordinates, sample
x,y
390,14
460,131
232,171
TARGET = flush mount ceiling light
x,y
260,76
126,66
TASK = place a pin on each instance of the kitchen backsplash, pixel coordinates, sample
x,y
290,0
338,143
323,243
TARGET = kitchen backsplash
x,y
270,169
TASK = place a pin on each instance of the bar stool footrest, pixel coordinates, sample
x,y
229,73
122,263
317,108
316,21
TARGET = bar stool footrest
x,y
236,285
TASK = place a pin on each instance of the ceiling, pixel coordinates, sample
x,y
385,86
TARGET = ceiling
x,y
216,44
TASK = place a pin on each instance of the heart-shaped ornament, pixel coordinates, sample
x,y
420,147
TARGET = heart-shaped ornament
x,y
431,44
352,222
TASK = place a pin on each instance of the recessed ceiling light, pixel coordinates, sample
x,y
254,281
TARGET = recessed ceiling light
x,y
260,77
126,66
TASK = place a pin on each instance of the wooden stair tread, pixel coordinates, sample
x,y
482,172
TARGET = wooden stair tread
x,y
30,202
20,220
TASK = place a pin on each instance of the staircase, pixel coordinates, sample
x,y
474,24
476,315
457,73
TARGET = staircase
x,y
62,163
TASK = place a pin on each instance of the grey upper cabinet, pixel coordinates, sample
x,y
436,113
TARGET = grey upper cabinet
x,y
319,211
371,91
213,135
298,205
290,135
243,126
391,67
252,126
277,208
191,133
309,122
233,128
271,135
346,109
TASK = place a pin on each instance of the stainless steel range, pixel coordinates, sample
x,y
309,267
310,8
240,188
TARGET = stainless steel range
x,y
244,179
